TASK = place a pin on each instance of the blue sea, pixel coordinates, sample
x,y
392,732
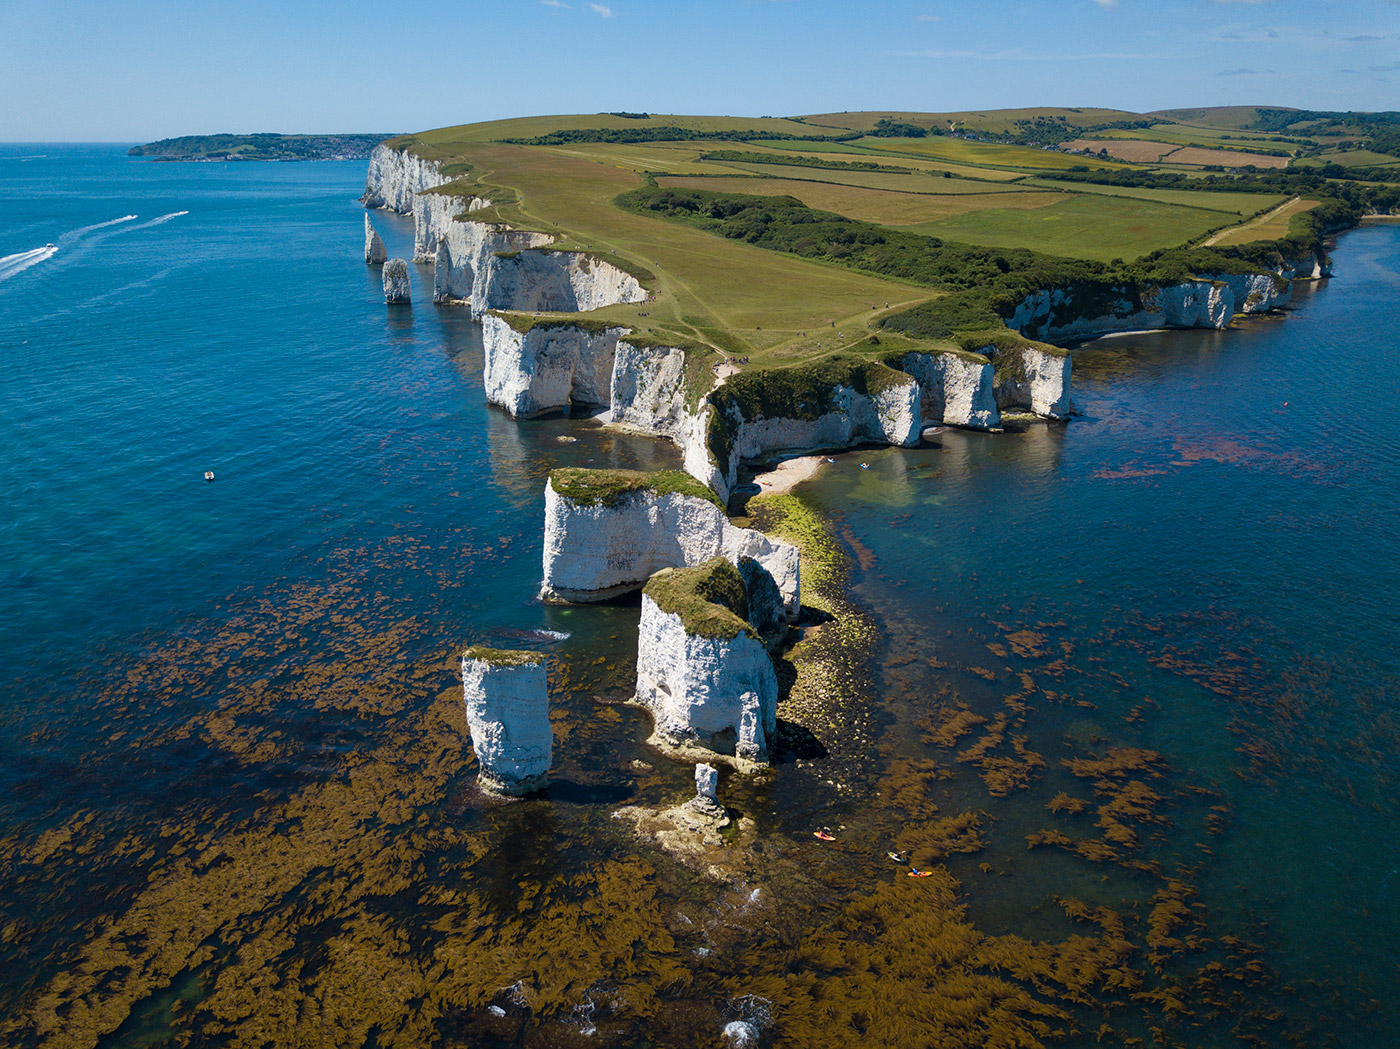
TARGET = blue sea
x,y
1151,654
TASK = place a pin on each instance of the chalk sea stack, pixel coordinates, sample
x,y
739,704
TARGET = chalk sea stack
x,y
507,700
702,668
396,287
375,254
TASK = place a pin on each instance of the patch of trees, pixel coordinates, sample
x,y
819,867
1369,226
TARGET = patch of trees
x,y
887,128
735,156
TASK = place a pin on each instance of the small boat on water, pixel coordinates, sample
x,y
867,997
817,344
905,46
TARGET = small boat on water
x,y
50,247
208,475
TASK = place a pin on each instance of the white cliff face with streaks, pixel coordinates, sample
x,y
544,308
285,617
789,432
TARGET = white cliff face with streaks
x,y
1257,292
649,393
375,252
1034,379
395,178
537,279
548,367
955,388
593,552
507,701
721,694
1052,315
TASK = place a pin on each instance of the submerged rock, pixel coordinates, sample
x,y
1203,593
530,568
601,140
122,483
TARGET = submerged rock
x,y
396,287
507,701
702,669
375,253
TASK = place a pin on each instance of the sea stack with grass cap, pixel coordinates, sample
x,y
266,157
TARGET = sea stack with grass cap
x,y
702,668
396,287
507,700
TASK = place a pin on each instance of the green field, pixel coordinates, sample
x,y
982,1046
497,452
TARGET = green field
x,y
887,240
1083,227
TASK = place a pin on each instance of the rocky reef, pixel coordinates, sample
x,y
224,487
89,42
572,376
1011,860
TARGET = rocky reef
x,y
606,532
397,290
507,702
375,253
702,668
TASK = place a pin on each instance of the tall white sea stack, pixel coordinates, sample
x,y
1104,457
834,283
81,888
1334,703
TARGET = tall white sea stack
x,y
375,253
396,287
702,669
507,699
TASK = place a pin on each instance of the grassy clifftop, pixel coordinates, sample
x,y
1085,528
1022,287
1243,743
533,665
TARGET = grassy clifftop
x,y
709,598
610,488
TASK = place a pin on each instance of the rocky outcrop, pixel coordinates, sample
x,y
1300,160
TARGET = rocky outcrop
x,y
702,670
375,254
548,365
955,387
541,280
397,291
606,532
396,177
507,701
768,611
1257,292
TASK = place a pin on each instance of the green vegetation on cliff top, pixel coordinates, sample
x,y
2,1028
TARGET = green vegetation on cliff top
x,y
709,598
504,657
610,488
260,146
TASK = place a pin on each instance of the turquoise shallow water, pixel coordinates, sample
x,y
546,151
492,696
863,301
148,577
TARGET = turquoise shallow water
x,y
1209,547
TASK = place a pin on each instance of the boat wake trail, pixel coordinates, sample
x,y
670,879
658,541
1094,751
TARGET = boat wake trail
x,y
158,221
18,263
13,265
73,235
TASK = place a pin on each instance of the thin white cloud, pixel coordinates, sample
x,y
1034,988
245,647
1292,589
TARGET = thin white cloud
x,y
928,18
601,10
555,3
1107,5
1244,71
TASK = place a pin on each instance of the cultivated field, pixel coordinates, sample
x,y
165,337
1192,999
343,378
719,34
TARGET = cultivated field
x,y
1143,151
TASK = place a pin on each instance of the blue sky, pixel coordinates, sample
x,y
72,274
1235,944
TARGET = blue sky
x,y
134,70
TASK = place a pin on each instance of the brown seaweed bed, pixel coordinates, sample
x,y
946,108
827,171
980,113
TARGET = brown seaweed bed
x,y
341,882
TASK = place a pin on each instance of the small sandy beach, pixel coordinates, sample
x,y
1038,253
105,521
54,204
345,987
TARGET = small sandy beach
x,y
788,474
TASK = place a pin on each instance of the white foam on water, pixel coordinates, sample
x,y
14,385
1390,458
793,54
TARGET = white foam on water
x,y
11,265
158,221
73,235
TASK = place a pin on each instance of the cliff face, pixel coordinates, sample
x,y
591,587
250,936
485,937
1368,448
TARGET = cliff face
x,y
891,415
396,178
1034,379
507,703
593,551
1057,314
704,675
955,388
548,367
649,393
538,279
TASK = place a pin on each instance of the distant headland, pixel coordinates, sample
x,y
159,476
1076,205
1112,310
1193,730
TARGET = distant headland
x,y
260,146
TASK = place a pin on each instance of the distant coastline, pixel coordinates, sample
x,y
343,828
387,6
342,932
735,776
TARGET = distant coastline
x,y
263,146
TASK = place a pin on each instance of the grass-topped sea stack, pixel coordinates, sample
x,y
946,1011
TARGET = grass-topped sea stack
x,y
607,531
702,668
507,700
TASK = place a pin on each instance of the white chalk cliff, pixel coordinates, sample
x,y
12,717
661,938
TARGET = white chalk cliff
x,y
705,686
594,551
955,388
375,253
547,367
507,702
